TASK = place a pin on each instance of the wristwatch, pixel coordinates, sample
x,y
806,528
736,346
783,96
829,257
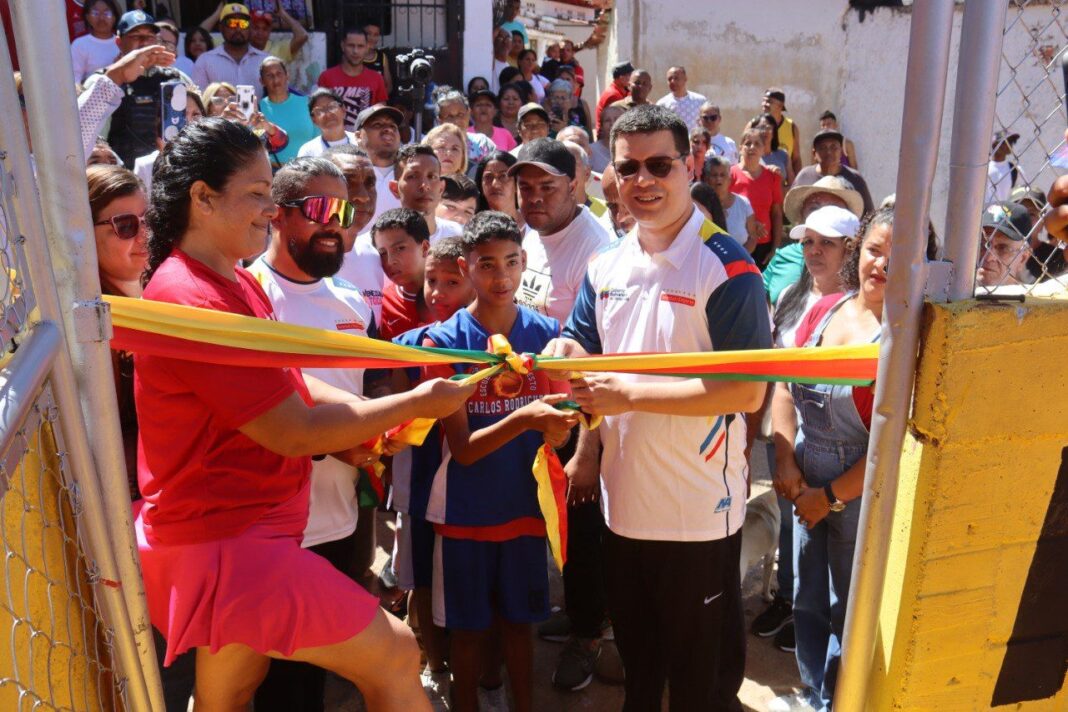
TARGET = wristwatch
x,y
836,504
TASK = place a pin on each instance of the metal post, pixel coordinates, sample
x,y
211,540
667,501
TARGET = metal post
x,y
921,125
68,235
981,37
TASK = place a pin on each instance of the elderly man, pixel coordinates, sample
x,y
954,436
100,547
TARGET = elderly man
x,y
687,104
235,61
1003,260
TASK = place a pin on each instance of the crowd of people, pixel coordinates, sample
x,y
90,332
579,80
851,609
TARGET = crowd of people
x,y
639,226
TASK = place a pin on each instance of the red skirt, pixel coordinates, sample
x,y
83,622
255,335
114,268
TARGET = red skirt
x,y
260,589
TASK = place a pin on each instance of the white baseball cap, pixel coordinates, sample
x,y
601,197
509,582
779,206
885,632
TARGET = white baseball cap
x,y
829,221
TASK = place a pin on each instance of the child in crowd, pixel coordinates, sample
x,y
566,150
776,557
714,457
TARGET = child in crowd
x,y
445,290
460,199
490,558
402,239
418,185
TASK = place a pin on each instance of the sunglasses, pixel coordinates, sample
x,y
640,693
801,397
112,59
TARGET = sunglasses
x,y
658,166
710,117
237,23
125,225
322,209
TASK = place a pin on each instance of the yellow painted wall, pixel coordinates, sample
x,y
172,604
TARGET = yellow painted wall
x,y
51,640
990,419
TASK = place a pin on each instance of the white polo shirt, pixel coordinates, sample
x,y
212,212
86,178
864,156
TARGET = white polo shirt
x,y
363,268
334,304
556,264
673,477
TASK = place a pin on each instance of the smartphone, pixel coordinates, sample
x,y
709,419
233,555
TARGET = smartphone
x,y
173,100
246,99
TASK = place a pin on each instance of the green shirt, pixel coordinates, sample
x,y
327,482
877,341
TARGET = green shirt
x,y
783,270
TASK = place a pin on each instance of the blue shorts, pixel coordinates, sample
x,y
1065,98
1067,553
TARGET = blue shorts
x,y
473,580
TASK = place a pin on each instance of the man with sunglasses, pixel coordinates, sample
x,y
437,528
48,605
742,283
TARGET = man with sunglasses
x,y
673,467
308,242
235,61
711,119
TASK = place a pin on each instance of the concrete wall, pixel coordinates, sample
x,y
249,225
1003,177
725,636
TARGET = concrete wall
x,y
826,57
971,603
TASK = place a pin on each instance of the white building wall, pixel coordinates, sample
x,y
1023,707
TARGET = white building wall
x,y
825,57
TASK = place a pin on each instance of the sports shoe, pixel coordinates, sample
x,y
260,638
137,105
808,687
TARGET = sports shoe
x,y
495,700
574,670
774,617
609,665
557,629
796,702
784,639
436,686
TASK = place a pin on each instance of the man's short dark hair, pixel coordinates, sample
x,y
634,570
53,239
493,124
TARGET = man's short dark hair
x,y
410,151
647,119
345,149
490,225
459,187
448,248
291,179
318,94
828,115
404,219
354,30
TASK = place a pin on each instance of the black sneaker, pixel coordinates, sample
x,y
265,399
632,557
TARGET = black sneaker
x,y
574,670
784,639
774,617
557,629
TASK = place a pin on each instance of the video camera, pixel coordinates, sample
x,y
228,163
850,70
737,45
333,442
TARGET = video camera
x,y
415,67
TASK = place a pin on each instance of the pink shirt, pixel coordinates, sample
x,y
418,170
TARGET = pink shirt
x,y
502,137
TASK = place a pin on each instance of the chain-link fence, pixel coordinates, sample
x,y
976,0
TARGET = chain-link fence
x,y
1028,152
55,651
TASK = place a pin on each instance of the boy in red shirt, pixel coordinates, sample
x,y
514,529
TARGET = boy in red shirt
x,y
402,239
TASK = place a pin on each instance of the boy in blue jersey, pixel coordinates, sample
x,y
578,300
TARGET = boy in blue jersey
x,y
445,291
489,557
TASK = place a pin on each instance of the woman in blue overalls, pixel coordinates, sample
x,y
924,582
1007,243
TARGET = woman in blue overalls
x,y
821,437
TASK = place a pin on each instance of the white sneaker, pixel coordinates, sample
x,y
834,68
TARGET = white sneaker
x,y
796,702
436,686
495,700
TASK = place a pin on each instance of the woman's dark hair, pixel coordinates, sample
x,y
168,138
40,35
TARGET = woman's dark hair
x,y
704,194
194,32
502,156
522,53
850,274
210,150
525,89
115,12
508,75
512,87
471,83
766,118
791,305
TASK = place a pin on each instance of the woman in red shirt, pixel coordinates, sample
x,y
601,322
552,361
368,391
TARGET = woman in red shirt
x,y
224,452
763,188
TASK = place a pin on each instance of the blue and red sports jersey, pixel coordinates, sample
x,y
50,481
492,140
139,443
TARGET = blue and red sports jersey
x,y
426,457
496,497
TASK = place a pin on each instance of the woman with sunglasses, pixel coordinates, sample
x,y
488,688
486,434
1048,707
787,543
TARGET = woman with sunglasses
x,y
225,456
97,49
117,204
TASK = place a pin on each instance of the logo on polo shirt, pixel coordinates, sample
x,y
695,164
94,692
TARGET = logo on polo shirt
x,y
677,297
724,505
613,295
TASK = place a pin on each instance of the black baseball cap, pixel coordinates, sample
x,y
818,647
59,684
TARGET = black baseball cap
x,y
1004,137
1010,219
826,133
371,111
133,19
547,154
776,93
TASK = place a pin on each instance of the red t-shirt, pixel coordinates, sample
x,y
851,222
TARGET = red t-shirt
x,y
357,93
609,96
863,396
762,193
400,312
202,479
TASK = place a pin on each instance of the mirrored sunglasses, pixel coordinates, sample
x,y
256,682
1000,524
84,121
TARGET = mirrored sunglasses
x,y
322,209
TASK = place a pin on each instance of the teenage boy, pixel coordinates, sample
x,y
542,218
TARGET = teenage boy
x,y
673,467
297,272
418,186
489,558
445,290
401,237
459,201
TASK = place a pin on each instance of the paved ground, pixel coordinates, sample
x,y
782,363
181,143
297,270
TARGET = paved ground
x,y
769,672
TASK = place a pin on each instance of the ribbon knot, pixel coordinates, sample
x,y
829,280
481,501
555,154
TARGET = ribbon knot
x,y
520,363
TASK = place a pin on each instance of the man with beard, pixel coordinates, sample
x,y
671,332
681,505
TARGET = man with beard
x,y
234,61
297,272
378,133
